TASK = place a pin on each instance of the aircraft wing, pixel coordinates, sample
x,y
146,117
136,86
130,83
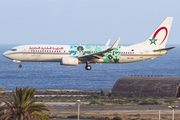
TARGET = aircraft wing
x,y
163,49
98,55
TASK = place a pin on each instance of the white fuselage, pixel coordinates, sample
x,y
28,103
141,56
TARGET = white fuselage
x,y
54,53
151,48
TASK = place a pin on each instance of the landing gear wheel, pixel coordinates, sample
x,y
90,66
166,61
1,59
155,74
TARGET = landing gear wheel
x,y
20,66
88,67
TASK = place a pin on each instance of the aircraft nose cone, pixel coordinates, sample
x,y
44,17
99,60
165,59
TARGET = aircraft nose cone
x,y
5,54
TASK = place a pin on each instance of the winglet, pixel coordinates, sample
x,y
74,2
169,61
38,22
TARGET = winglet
x,y
107,44
115,44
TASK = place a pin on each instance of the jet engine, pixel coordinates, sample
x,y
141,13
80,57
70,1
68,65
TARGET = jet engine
x,y
69,61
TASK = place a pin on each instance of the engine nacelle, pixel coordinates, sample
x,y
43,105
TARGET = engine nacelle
x,y
69,61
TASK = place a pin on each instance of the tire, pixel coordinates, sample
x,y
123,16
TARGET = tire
x,y
88,67
20,66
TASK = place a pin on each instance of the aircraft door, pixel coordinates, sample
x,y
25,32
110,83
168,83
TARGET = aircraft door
x,y
24,54
141,54
35,55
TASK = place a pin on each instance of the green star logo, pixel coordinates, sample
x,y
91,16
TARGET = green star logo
x,y
153,41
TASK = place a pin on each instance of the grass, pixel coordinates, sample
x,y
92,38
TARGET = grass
x,y
94,97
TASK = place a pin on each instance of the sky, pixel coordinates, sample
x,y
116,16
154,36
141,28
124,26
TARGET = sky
x,y
85,21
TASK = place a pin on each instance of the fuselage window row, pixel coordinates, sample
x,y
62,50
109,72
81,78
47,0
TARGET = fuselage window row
x,y
80,51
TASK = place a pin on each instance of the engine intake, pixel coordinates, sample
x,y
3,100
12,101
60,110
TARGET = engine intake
x,y
69,61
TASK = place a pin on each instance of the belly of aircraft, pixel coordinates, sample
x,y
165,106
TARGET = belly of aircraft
x,y
43,58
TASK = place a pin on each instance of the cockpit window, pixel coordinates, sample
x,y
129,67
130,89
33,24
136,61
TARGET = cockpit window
x,y
13,49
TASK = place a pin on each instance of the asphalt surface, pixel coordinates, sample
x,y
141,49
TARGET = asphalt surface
x,y
120,107
114,109
71,119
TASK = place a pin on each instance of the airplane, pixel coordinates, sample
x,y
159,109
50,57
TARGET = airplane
x,y
73,55
172,106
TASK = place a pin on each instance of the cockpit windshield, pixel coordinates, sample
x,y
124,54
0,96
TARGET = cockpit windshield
x,y
13,49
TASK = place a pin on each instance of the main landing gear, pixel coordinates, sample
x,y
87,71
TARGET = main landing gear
x,y
87,67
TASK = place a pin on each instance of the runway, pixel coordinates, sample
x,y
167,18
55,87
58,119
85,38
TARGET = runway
x,y
115,107
125,111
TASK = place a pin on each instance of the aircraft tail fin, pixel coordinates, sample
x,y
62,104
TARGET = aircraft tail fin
x,y
159,37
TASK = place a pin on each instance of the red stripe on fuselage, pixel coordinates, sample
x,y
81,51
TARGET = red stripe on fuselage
x,y
69,54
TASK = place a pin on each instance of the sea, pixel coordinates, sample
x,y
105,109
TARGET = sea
x,y
52,75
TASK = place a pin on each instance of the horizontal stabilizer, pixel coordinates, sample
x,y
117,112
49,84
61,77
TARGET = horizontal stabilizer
x,y
164,49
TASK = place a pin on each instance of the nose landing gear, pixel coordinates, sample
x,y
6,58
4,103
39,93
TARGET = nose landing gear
x,y
17,61
20,66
